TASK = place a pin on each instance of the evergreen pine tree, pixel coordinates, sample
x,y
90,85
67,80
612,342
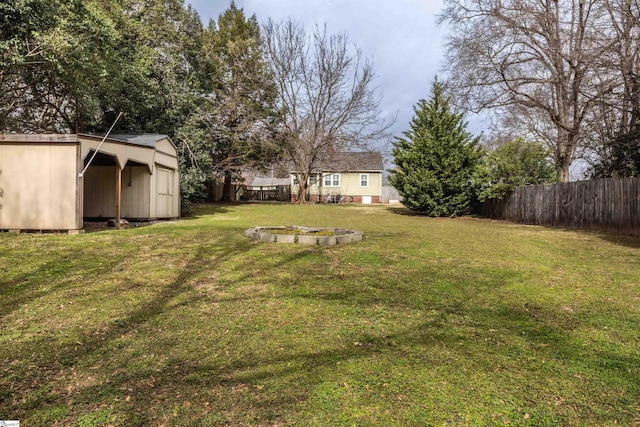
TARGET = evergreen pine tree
x,y
233,129
516,163
437,160
244,96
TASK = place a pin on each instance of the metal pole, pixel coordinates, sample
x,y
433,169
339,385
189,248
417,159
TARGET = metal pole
x,y
81,174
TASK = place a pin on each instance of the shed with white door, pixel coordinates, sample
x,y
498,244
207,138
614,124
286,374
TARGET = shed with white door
x,y
43,187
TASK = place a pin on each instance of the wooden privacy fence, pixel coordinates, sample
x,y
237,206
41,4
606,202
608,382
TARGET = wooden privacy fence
x,y
389,193
610,204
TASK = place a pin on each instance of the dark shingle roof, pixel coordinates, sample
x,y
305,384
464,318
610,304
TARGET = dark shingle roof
x,y
145,139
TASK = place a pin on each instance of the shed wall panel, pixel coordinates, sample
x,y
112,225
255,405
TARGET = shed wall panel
x,y
169,162
167,147
176,195
135,192
100,192
153,193
39,186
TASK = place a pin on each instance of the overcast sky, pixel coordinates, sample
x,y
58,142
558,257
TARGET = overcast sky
x,y
400,37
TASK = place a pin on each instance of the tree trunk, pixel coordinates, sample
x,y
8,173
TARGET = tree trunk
x,y
563,166
303,187
302,192
227,191
564,153
302,195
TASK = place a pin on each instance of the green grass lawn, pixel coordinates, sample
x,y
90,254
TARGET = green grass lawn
x,y
457,322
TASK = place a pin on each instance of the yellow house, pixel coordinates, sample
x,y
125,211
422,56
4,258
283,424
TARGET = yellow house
x,y
54,182
348,177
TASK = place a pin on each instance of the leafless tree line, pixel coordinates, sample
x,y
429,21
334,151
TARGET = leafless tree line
x,y
565,72
326,96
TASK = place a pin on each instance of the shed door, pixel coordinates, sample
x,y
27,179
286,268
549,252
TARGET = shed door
x,y
165,193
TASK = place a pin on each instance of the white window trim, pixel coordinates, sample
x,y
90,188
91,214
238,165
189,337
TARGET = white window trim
x,y
313,176
330,178
360,180
294,179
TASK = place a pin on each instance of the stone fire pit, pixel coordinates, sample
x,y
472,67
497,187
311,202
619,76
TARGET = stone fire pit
x,y
305,235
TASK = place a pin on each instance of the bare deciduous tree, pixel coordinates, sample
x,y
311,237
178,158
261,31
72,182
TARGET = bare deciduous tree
x,y
624,57
325,94
615,126
535,59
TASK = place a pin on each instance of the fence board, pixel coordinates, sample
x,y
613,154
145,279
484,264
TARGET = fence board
x,y
389,193
609,204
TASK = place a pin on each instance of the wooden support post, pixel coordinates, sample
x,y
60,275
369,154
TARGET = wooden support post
x,y
118,193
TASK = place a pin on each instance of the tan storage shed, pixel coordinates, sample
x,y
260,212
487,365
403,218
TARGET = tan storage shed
x,y
42,186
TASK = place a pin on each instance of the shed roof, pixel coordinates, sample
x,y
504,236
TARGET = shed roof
x,y
145,149
35,138
263,181
145,139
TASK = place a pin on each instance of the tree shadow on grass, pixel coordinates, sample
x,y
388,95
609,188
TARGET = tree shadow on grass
x,y
106,370
38,363
237,385
404,211
616,237
46,278
620,239
213,208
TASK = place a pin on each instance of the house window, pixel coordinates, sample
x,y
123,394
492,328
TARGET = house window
x,y
332,180
313,179
364,180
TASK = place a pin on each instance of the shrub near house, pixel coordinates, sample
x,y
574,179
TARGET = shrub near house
x,y
348,177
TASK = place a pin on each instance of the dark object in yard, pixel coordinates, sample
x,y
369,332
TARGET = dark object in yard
x,y
335,198
112,222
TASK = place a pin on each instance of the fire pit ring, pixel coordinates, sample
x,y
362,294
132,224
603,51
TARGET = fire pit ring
x,y
304,235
